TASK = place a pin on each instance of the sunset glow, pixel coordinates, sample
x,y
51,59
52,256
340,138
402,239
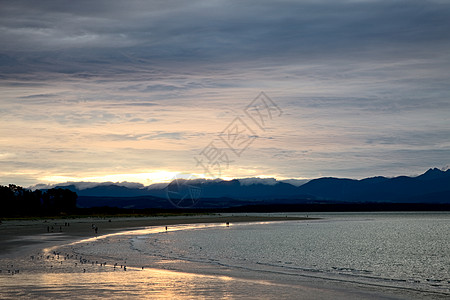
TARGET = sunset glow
x,y
94,93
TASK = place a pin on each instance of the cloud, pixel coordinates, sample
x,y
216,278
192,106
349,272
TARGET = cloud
x,y
40,96
136,120
138,104
105,36
430,139
146,136
116,87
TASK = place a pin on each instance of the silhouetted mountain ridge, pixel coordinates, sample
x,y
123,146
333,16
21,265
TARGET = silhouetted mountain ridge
x,y
431,187
381,189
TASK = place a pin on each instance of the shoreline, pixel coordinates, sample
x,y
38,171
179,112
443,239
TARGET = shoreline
x,y
18,235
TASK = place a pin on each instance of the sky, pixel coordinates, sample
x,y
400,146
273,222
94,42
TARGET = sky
x,y
140,91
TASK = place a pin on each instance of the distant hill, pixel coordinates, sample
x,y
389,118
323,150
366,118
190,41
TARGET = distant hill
x,y
431,187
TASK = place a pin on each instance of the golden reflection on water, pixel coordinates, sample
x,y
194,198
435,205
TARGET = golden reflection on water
x,y
136,284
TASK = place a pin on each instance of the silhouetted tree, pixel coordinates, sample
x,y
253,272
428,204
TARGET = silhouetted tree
x,y
17,201
7,203
59,200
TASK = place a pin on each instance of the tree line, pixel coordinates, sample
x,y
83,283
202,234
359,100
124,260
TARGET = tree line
x,y
16,201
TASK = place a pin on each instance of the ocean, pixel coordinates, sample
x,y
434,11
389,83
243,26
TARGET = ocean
x,y
365,255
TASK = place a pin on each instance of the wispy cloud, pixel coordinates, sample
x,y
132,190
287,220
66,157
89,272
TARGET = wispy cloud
x,y
129,87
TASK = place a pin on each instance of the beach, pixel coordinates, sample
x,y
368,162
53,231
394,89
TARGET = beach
x,y
48,259
15,235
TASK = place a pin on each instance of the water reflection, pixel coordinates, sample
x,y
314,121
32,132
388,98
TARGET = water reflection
x,y
143,284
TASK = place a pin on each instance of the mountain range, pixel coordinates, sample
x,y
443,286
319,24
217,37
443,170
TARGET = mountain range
x,y
431,187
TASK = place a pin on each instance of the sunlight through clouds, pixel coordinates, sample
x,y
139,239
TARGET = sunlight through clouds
x,y
144,178
93,89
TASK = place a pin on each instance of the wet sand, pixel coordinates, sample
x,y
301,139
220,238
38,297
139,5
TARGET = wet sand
x,y
18,234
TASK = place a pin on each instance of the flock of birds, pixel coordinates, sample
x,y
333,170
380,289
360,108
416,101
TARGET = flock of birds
x,y
11,270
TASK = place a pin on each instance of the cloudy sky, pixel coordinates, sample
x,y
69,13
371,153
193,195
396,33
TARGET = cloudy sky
x,y
142,90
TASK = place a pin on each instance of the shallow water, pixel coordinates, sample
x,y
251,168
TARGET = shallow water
x,y
404,250
154,284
